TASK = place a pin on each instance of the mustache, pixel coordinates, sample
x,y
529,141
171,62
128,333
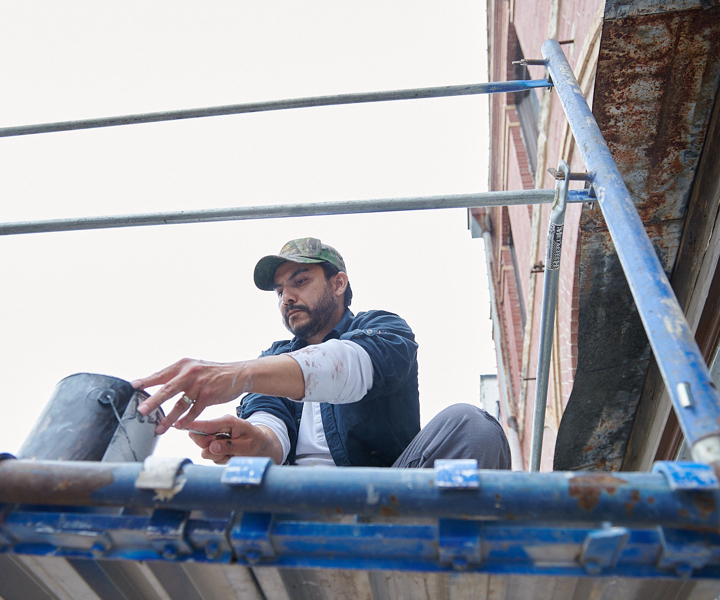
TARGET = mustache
x,y
290,307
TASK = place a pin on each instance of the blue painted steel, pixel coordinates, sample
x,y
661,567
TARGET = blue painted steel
x,y
439,545
688,476
456,474
497,87
602,549
621,498
459,543
673,343
245,470
250,536
685,551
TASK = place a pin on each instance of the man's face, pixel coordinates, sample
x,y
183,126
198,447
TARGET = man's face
x,y
307,302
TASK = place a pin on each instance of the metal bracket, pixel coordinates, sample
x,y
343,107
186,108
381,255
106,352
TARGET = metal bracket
x,y
681,551
602,549
560,176
166,533
459,543
250,537
685,475
245,470
160,473
458,474
541,62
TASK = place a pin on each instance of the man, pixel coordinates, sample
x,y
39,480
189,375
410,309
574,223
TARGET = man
x,y
343,391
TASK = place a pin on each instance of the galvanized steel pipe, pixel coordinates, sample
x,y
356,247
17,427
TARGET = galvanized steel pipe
x,y
235,109
547,320
288,210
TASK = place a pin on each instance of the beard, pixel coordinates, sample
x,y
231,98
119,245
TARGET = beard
x,y
319,316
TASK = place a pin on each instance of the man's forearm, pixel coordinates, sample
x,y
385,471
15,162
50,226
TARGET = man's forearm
x,y
275,376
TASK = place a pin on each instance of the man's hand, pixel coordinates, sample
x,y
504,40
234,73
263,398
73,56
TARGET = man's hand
x,y
246,439
205,382
210,383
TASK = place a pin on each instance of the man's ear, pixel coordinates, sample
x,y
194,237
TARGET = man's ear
x,y
340,283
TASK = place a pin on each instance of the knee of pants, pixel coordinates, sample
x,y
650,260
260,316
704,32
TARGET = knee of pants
x,y
465,412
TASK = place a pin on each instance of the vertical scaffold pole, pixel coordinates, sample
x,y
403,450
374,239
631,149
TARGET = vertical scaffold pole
x,y
681,364
547,321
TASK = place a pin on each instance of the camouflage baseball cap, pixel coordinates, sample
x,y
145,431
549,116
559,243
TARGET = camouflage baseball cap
x,y
303,250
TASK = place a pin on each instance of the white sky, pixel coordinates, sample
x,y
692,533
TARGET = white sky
x,y
128,302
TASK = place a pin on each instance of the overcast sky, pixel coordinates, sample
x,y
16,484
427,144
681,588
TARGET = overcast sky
x,y
128,302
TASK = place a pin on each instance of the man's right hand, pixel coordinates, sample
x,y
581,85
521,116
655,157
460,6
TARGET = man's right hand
x,y
207,383
246,439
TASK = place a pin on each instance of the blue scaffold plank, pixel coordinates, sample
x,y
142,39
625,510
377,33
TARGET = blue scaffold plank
x,y
456,545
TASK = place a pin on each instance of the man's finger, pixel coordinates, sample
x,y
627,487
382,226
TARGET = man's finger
x,y
180,407
167,391
158,378
218,459
202,440
228,447
190,417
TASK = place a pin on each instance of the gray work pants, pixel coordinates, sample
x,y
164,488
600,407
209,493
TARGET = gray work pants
x,y
459,431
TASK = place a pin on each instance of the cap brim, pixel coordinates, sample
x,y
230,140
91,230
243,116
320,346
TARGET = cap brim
x,y
264,274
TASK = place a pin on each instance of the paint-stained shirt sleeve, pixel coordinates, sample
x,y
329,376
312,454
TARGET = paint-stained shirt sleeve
x,y
336,371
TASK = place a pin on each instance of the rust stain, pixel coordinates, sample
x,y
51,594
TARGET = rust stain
x,y
47,483
388,511
651,500
656,82
588,488
393,498
705,504
634,499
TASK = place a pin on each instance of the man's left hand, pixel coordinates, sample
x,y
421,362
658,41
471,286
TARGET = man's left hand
x,y
246,439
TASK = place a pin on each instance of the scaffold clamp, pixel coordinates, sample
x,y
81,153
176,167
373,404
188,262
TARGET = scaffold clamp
x,y
245,470
685,475
457,474
602,549
160,473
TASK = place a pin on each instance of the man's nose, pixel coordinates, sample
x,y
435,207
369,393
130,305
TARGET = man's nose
x,y
287,297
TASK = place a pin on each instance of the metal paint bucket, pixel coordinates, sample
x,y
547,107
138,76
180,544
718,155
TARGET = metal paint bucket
x,y
93,417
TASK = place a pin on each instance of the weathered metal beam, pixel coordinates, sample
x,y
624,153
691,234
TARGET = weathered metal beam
x,y
664,524
633,499
683,368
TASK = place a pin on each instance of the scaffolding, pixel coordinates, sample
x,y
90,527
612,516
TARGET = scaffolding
x,y
453,518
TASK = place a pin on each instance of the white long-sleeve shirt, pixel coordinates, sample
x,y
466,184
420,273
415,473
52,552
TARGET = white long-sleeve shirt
x,y
336,371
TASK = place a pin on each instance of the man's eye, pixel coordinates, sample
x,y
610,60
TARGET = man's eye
x,y
300,281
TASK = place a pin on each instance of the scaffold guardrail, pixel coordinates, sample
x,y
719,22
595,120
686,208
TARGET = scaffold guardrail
x,y
664,523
